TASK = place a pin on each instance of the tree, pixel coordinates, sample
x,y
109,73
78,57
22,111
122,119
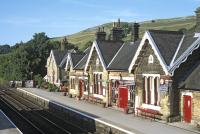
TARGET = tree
x,y
4,49
28,57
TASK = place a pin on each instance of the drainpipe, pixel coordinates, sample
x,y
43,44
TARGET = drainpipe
x,y
108,90
88,86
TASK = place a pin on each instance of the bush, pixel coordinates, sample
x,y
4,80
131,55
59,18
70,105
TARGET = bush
x,y
44,85
52,88
55,88
39,80
3,82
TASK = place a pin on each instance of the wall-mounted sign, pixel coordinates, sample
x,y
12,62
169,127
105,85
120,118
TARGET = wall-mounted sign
x,y
164,88
127,82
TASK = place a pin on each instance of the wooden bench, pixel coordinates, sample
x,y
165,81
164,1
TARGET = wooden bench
x,y
149,113
96,100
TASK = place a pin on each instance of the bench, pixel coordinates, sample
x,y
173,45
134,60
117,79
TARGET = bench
x,y
96,100
149,113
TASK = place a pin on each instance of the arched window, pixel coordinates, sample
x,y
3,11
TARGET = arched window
x,y
151,59
97,61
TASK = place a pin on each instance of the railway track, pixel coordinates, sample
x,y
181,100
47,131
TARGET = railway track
x,y
40,120
23,123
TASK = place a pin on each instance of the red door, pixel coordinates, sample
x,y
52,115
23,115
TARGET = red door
x,y
80,88
187,109
123,97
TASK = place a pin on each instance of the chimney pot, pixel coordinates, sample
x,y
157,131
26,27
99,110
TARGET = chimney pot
x,y
116,32
100,34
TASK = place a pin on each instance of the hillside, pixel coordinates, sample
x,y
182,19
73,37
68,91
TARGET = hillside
x,y
82,37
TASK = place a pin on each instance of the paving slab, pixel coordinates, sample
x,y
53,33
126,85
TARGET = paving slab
x,y
7,126
128,122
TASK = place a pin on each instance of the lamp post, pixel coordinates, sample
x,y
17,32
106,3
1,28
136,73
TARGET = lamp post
x,y
31,75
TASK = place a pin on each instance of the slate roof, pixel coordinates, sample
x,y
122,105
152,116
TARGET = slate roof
x,y
167,43
192,80
58,55
108,49
82,63
124,57
61,56
64,61
188,40
76,57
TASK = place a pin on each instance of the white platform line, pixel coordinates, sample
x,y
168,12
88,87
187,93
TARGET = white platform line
x,y
11,122
98,120
33,94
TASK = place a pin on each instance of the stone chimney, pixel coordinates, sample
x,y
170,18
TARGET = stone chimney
x,y
135,32
100,34
63,44
116,32
197,29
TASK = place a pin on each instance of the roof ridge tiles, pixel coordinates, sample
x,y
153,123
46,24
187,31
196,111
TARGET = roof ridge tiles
x,y
165,31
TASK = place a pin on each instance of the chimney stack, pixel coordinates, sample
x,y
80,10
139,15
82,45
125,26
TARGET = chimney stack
x,y
63,44
135,31
116,32
197,29
100,34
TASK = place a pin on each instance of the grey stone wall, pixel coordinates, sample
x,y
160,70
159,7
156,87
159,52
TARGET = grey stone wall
x,y
195,106
144,66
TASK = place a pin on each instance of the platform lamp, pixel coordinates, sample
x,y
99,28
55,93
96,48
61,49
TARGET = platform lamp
x,y
31,75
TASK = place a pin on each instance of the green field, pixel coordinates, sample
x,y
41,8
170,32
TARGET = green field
x,y
82,37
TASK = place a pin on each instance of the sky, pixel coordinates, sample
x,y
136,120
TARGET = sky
x,y
20,19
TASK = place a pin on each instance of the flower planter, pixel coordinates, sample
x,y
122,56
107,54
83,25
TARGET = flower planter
x,y
126,110
70,95
103,105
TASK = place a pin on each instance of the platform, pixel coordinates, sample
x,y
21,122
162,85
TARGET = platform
x,y
7,126
126,122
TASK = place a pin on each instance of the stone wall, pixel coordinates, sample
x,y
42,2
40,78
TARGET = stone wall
x,y
164,104
196,106
144,66
75,73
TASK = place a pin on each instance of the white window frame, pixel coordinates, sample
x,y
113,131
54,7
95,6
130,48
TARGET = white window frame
x,y
151,59
153,76
97,62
